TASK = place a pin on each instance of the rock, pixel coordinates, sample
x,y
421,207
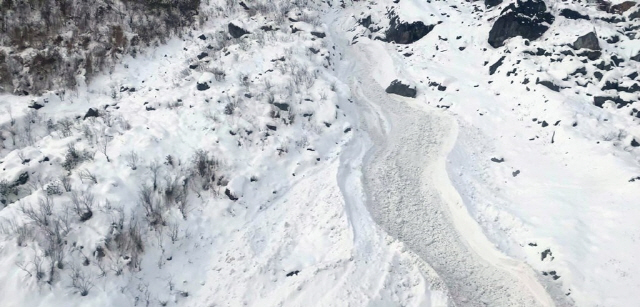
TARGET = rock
x,y
599,101
282,106
318,34
548,84
622,7
406,33
202,86
230,195
36,106
91,113
636,57
529,19
399,88
22,179
588,41
571,14
496,160
236,31
202,55
634,15
202,37
494,67
633,75
635,143
491,3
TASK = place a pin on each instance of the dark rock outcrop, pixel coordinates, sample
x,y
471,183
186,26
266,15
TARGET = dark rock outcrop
x,y
590,42
571,14
528,19
492,3
599,101
401,89
494,66
236,31
91,113
202,86
406,33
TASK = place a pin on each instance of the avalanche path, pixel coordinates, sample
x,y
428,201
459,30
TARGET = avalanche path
x,y
408,193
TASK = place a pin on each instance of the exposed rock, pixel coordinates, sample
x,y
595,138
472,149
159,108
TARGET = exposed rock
x,y
635,143
230,195
406,33
202,86
282,106
236,31
494,67
318,34
587,41
22,179
399,88
571,14
621,7
492,3
599,101
529,19
91,113
548,84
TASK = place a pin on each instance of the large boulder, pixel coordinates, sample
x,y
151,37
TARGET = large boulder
x,y
571,14
528,19
401,89
406,33
492,3
590,42
236,31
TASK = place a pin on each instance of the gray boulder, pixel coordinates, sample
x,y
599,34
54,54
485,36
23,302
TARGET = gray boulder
x,y
401,89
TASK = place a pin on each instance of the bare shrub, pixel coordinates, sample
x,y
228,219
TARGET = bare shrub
x,y
64,126
66,183
132,160
74,157
81,281
130,244
152,206
85,174
82,205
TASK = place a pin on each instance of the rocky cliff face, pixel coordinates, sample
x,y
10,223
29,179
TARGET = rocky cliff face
x,y
55,44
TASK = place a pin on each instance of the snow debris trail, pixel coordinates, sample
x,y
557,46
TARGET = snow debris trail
x,y
409,194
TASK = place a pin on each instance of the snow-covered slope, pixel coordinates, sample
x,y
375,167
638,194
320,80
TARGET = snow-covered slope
x,y
548,173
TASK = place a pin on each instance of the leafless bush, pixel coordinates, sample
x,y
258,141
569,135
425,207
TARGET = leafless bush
x,y
130,244
174,232
81,281
74,157
53,188
205,167
82,205
87,175
103,144
132,160
64,126
66,183
11,228
152,206
40,215
154,169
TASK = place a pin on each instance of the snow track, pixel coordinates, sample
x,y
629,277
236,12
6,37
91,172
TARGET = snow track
x,y
410,196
